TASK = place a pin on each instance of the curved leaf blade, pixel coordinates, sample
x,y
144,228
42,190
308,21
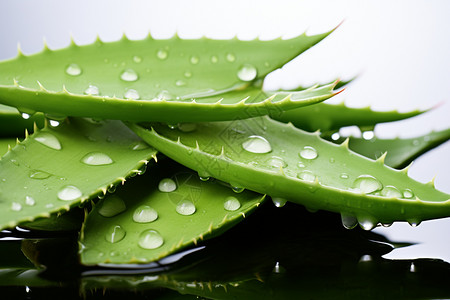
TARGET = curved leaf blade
x,y
101,241
45,174
334,179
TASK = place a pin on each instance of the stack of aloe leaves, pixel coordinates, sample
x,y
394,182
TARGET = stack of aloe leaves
x,y
137,152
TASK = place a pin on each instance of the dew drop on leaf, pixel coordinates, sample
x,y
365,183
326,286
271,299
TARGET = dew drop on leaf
x,y
308,153
185,208
129,75
30,201
408,194
348,221
16,206
257,144
391,192
132,94
231,57
48,140
137,59
115,234
140,145
73,70
367,184
194,60
231,204
279,202
145,214
92,90
69,193
277,162
247,72
180,82
97,159
307,176
167,185
187,127
112,206
214,59
162,54
38,174
150,239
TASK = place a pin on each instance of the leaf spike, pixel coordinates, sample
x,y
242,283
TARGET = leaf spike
x,y
19,51
72,41
155,158
26,133
98,39
35,127
124,37
41,87
406,169
179,140
46,48
345,143
222,152
382,158
317,132
197,146
431,182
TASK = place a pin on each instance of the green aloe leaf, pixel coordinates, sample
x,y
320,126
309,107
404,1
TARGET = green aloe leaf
x,y
13,124
278,159
400,152
57,168
159,213
104,80
330,117
6,143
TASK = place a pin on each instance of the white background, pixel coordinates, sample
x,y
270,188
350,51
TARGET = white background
x,y
399,50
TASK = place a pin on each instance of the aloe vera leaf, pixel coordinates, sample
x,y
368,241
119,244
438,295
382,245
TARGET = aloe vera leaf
x,y
331,117
400,152
45,174
243,103
94,80
302,168
6,143
340,84
193,211
12,123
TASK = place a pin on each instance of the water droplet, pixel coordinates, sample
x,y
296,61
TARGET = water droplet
x,y
257,144
180,82
164,95
48,140
307,176
92,90
365,258
54,123
344,176
279,202
167,185
348,221
16,206
69,193
335,136
129,75
15,162
367,184
391,192
112,206
132,94
247,72
97,159
367,223
204,178
214,59
187,74
301,165
115,234
37,174
140,145
231,204
308,153
194,60
237,189
187,127
414,222
137,59
150,239
25,116
332,160
368,135
73,70
416,142
278,269
408,194
145,214
29,201
162,54
185,208
412,268
277,162
230,57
